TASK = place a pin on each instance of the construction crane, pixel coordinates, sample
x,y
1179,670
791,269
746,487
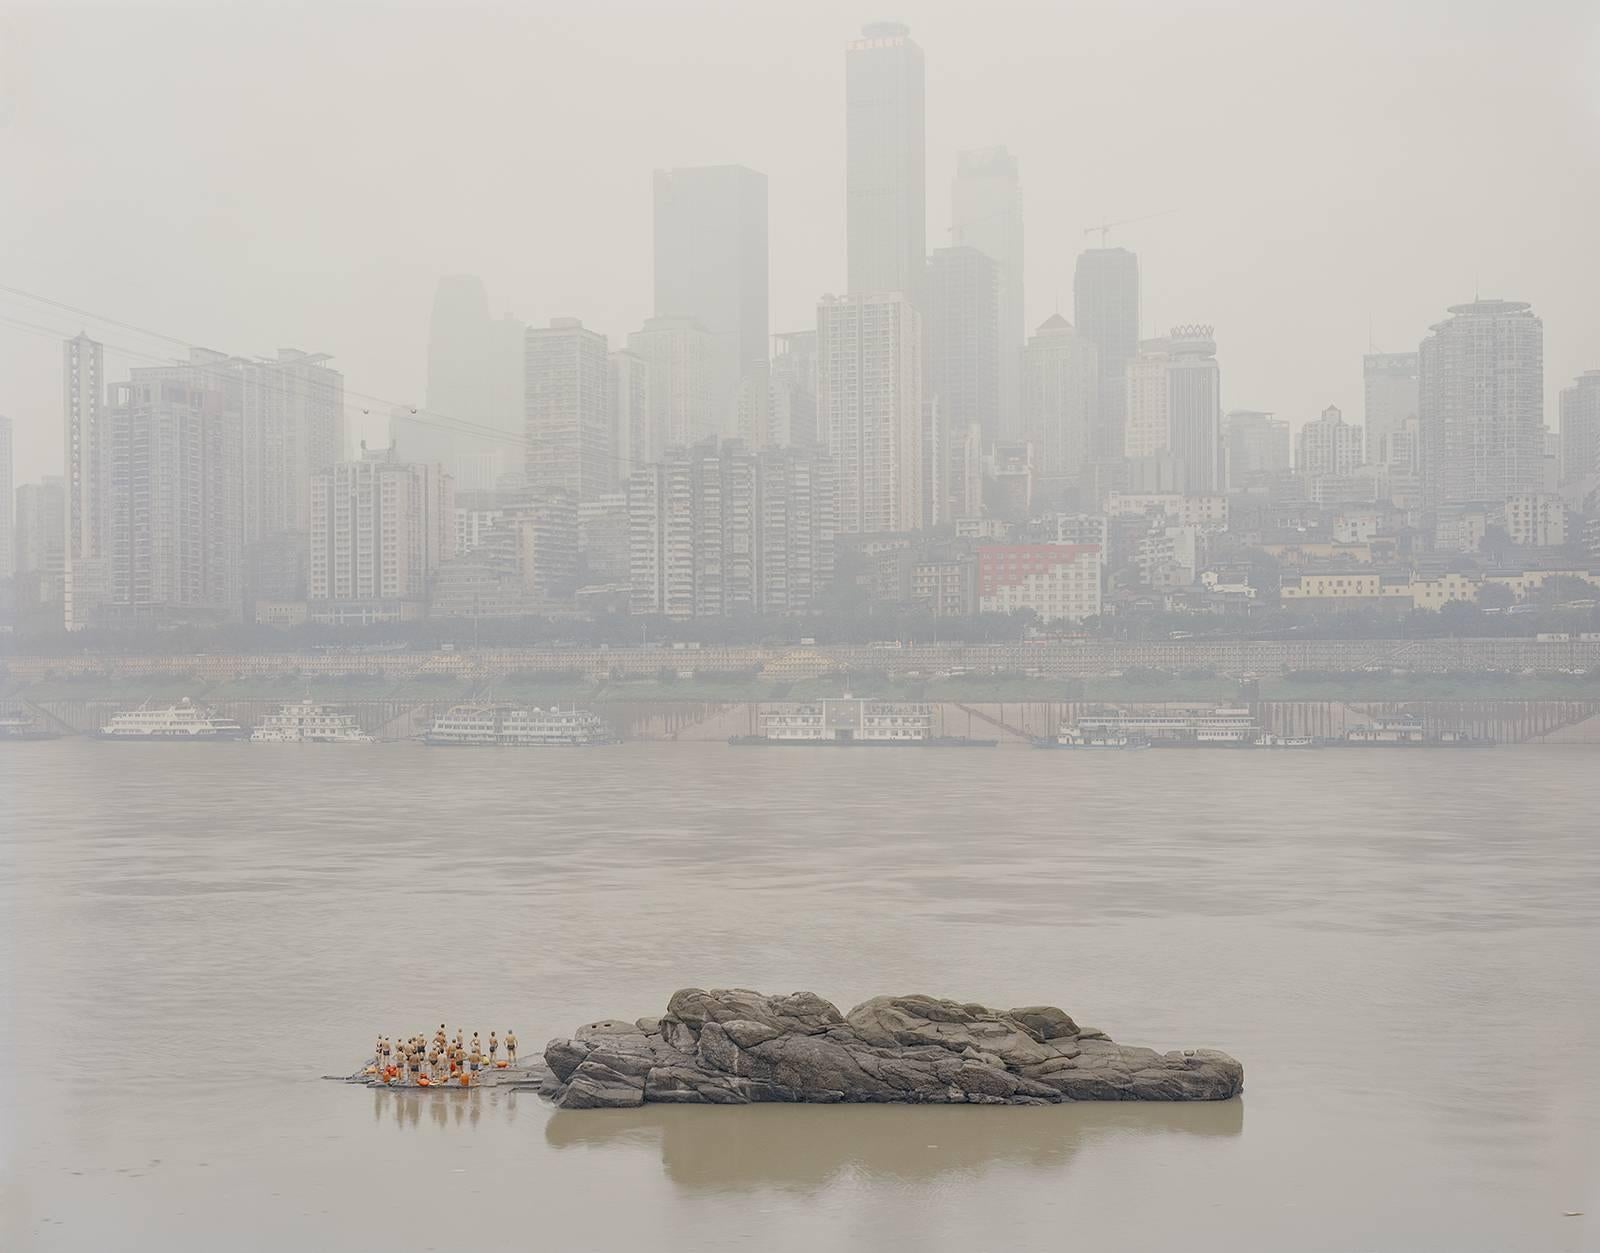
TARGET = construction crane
x,y
1105,227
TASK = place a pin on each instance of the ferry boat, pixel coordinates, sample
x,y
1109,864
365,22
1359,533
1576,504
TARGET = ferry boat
x,y
14,726
306,722
852,723
1284,741
183,721
505,726
1075,737
1405,731
1223,727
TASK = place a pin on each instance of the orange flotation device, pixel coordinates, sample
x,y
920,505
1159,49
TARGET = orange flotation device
x,y
501,1065
424,1082
466,1080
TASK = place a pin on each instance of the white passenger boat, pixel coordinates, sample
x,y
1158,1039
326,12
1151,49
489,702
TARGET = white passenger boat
x,y
184,721
306,722
506,726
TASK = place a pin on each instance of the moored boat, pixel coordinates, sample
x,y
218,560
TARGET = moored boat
x,y
306,722
507,726
184,721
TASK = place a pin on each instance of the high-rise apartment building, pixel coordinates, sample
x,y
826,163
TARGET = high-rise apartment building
x,y
568,408
1105,302
379,529
711,265
1146,430
720,530
292,416
1194,407
885,179
790,417
8,538
41,549
172,534
1391,389
1580,428
870,410
961,322
680,357
1329,445
986,214
1255,447
1482,404
1060,396
631,425
87,478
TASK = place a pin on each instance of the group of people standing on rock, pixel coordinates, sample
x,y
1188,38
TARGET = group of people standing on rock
x,y
422,1062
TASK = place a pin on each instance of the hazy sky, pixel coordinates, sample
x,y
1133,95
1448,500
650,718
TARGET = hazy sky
x,y
250,179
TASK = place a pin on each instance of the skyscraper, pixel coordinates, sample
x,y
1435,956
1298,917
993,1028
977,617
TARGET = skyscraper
x,y
885,181
869,408
680,356
986,214
1194,407
87,480
1482,404
474,419
40,548
8,542
174,526
292,411
1390,386
961,320
1060,390
1580,428
630,410
711,265
568,406
1146,430
1105,302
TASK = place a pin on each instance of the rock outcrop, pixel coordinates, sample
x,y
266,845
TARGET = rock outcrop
x,y
733,1046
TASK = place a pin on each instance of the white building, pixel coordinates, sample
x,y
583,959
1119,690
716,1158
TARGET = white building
x,y
568,408
1482,404
171,534
870,410
1057,581
1194,407
1082,529
1330,445
379,529
88,479
1146,431
1536,520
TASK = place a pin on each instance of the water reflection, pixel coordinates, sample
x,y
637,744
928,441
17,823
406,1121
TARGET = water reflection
x,y
801,1148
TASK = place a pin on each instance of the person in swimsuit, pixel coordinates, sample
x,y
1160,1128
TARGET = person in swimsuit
x,y
494,1049
511,1046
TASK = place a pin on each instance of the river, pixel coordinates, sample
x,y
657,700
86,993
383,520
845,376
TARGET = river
x,y
1402,947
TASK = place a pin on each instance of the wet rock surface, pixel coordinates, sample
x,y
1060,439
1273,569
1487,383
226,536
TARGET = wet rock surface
x,y
733,1046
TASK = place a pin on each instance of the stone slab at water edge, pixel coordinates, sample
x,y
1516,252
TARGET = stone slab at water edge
x,y
732,1046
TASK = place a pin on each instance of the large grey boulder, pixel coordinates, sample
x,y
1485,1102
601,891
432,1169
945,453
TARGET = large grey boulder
x,y
733,1046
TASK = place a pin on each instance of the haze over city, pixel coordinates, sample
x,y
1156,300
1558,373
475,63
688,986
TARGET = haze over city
x,y
1326,178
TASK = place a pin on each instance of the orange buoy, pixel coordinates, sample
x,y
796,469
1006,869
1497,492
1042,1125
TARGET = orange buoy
x,y
424,1082
501,1065
466,1080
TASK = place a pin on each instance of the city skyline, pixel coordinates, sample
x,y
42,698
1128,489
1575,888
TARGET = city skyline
x,y
1193,266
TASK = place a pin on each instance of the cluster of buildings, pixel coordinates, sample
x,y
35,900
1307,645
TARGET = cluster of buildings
x,y
914,445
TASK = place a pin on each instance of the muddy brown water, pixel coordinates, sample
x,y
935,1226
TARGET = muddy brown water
x,y
1402,948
